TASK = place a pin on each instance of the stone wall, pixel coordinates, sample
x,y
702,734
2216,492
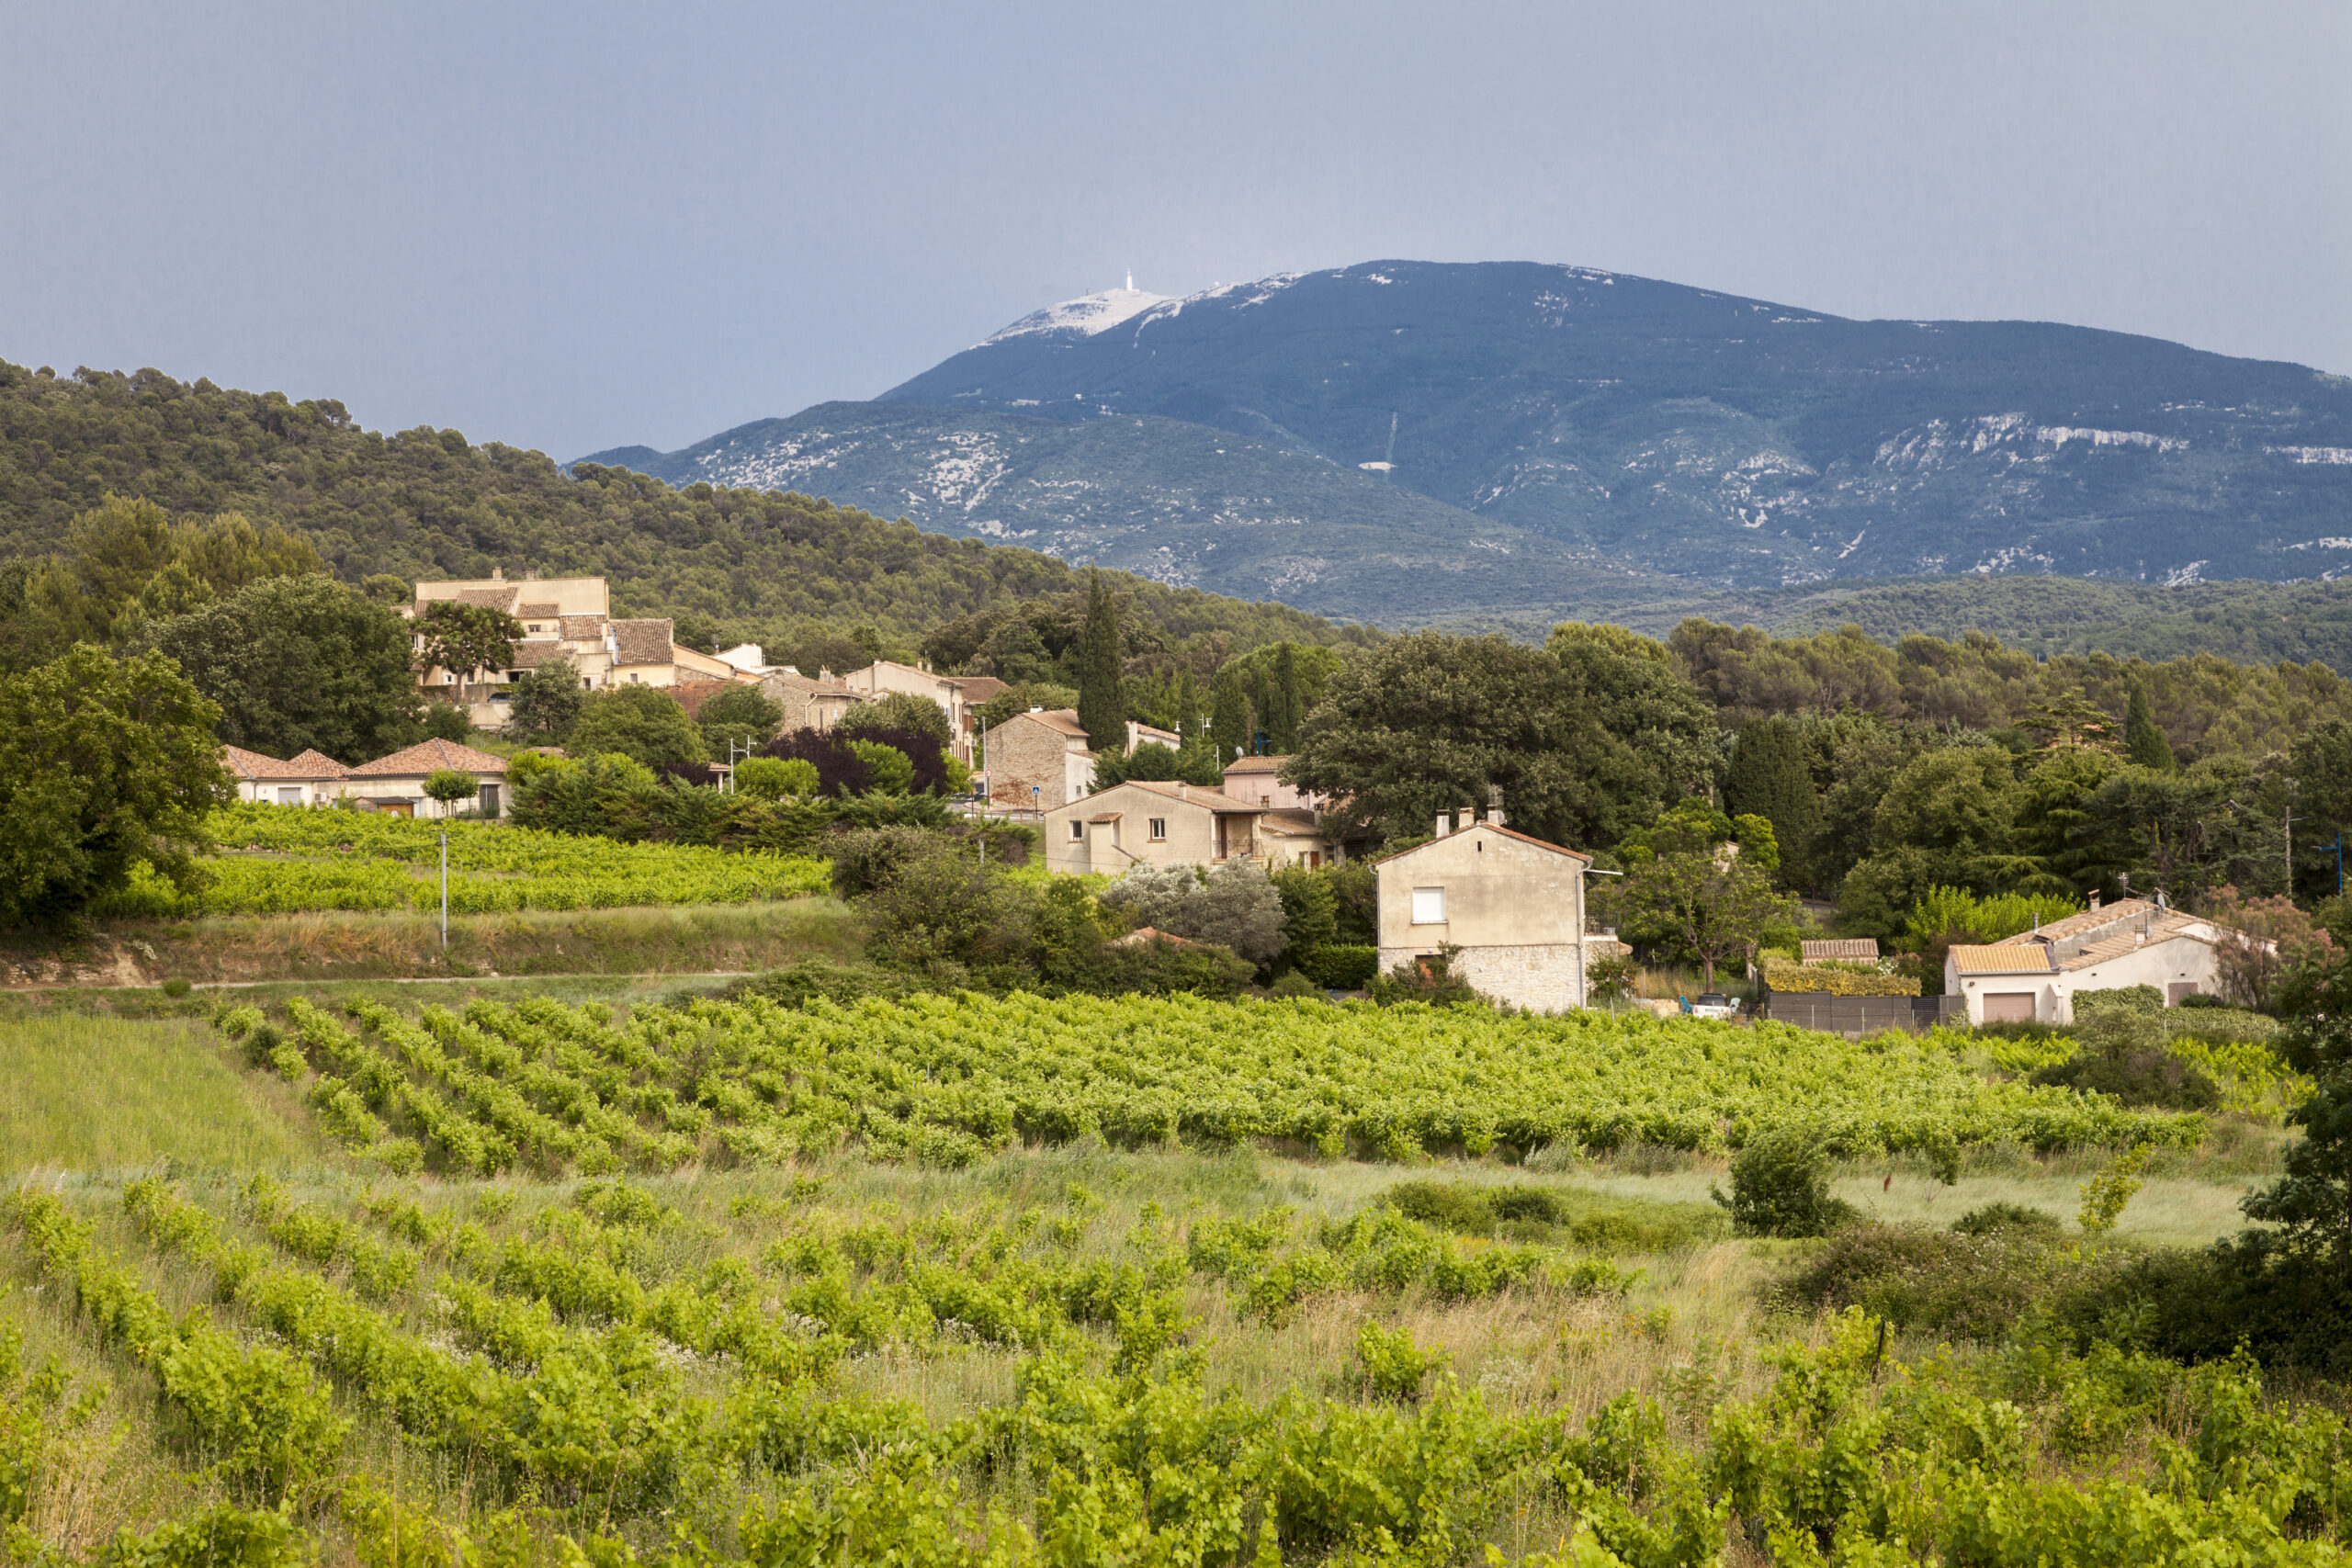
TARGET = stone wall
x,y
1022,752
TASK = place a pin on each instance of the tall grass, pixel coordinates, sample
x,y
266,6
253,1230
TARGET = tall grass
x,y
95,1094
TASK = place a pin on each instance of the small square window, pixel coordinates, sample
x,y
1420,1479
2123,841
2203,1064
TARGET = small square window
x,y
1077,831
290,796
1429,906
1159,829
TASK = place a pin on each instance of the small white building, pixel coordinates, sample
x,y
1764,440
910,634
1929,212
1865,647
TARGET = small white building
x,y
307,778
2034,976
1513,905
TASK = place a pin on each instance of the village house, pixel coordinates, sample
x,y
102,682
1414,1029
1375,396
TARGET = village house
x,y
393,784
1038,761
2035,976
1260,779
307,778
1139,823
563,619
1512,905
807,704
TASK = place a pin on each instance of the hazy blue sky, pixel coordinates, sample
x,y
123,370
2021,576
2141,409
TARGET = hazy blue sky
x,y
573,226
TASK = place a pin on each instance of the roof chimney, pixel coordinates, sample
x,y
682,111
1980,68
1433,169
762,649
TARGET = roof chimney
x,y
1495,804
1444,823
1180,789
2094,900
498,574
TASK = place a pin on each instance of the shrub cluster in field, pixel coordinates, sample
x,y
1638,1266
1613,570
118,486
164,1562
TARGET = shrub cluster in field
x,y
945,1079
622,1384
351,859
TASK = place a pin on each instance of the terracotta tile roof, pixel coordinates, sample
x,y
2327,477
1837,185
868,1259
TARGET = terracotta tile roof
x,y
1062,720
1844,947
692,694
1297,824
2087,921
642,642
1193,794
302,765
1489,826
582,629
539,612
2030,959
534,652
1256,764
2170,927
420,759
494,598
1106,816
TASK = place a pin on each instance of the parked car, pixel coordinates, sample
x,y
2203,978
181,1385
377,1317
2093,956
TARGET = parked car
x,y
1713,1004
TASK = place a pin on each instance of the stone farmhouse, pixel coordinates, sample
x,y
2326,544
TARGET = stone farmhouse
x,y
1512,905
2035,976
563,618
1140,823
393,784
1038,761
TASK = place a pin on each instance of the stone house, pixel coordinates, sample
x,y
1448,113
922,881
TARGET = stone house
x,y
955,694
308,778
2035,976
1512,904
1039,760
807,704
1150,824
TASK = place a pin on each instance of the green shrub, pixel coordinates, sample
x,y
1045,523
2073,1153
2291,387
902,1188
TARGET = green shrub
x,y
2146,1079
1780,1186
1339,966
1294,983
1586,1220
2145,999
775,778
1969,1284
1989,1219
176,988
1821,979
1392,1365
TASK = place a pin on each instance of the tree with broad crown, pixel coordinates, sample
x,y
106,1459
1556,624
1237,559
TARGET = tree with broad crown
x,y
447,721
104,763
300,663
450,786
545,701
642,723
2309,1209
2144,744
1102,701
1770,777
462,638
1712,907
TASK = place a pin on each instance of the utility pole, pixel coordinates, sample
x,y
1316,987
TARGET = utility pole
x,y
445,890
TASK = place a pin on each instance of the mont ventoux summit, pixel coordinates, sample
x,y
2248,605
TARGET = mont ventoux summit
x,y
1412,442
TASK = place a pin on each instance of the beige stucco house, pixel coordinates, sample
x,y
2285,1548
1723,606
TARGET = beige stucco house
x,y
1512,904
307,778
1260,779
1151,824
2035,976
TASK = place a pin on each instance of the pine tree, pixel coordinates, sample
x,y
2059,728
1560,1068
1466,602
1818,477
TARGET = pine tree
x,y
2144,744
1229,722
1769,777
1101,700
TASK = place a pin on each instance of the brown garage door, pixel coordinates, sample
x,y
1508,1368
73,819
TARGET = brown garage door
x,y
2008,1007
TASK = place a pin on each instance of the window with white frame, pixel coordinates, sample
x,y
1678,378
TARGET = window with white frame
x,y
1158,829
1429,906
289,795
1077,830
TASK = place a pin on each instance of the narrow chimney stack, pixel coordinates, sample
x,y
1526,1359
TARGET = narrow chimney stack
x,y
2094,900
1444,823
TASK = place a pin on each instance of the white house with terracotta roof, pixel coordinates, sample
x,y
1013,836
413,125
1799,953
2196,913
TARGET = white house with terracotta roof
x,y
307,778
2035,976
1512,904
397,783
1150,824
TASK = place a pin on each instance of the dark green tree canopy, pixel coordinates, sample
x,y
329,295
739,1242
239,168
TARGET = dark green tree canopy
x,y
1584,745
463,638
642,723
2145,745
302,663
1769,776
104,763
1102,696
545,702
903,712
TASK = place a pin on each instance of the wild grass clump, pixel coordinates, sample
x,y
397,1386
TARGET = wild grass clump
x,y
1521,1213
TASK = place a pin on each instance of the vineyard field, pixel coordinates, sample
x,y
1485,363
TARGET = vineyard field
x,y
720,1283
282,860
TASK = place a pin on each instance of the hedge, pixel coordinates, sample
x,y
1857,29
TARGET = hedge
x,y
1783,976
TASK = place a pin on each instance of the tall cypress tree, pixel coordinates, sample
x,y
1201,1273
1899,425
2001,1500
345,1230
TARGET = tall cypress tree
x,y
1771,778
1229,720
1101,700
1287,704
2144,744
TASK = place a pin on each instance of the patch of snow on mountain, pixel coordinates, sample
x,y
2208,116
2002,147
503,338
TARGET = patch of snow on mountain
x,y
1081,317
2059,434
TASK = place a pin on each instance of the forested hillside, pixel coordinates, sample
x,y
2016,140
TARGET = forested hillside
x,y
730,565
